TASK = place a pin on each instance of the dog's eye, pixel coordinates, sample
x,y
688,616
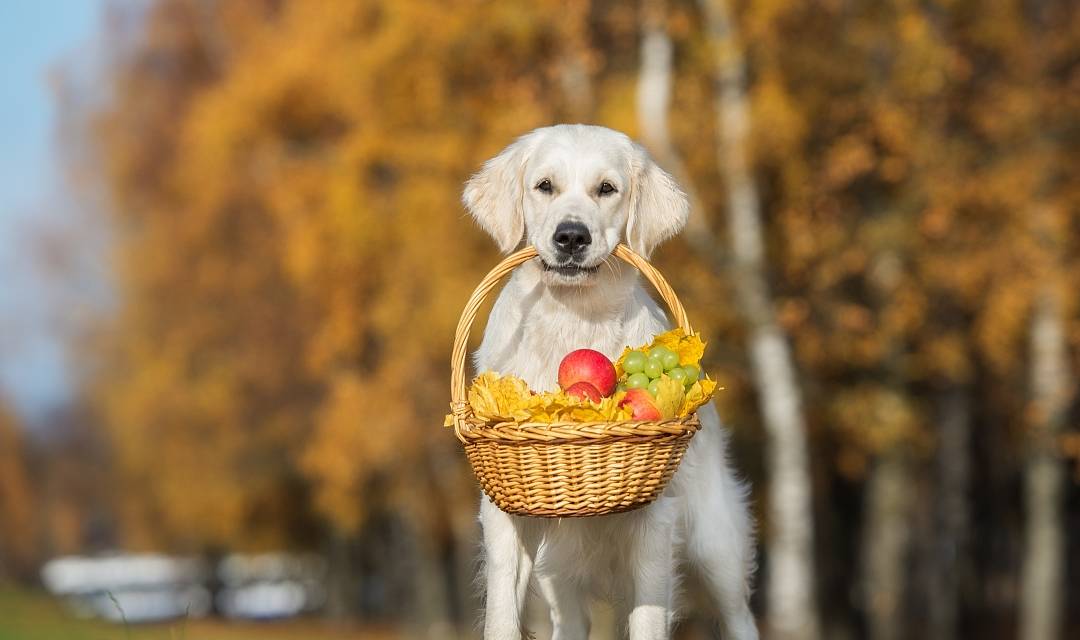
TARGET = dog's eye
x,y
606,188
544,186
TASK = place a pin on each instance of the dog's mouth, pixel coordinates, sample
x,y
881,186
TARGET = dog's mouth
x,y
570,270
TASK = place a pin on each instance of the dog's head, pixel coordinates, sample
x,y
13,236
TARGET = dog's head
x,y
574,192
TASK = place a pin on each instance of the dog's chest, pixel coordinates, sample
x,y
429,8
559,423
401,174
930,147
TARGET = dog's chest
x,y
530,332
546,340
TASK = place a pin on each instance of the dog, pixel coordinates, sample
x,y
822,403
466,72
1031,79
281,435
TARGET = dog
x,y
574,192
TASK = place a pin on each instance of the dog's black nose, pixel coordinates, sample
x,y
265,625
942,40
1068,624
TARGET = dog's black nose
x,y
571,237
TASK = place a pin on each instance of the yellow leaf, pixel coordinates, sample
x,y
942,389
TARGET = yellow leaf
x,y
495,397
507,398
669,397
698,394
690,348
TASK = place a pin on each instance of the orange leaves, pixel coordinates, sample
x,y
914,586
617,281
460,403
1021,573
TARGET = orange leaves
x,y
847,159
780,124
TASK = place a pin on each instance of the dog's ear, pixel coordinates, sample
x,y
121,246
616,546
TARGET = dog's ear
x,y
494,195
658,206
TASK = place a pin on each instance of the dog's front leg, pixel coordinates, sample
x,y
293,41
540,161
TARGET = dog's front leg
x,y
569,612
653,566
509,549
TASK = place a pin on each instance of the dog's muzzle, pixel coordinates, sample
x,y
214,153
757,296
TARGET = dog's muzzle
x,y
571,239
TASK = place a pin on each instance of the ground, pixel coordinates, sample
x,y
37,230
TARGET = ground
x,y
34,615
30,615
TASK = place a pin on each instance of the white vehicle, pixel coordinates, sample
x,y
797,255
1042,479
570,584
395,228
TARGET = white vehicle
x,y
130,587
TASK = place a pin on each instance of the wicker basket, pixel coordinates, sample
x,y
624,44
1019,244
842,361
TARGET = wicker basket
x,y
566,469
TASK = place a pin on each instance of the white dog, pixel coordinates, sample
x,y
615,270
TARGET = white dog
x,y
574,192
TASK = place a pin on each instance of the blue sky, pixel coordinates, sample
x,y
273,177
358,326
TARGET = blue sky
x,y
35,35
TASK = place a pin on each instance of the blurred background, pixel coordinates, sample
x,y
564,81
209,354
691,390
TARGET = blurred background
x,y
233,255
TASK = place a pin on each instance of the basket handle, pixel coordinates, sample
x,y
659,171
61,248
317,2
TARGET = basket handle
x,y
458,402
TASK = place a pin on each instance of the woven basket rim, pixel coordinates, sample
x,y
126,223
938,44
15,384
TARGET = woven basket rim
x,y
472,429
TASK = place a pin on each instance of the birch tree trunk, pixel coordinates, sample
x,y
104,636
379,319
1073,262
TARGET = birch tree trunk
x,y
885,540
655,81
790,583
887,516
1042,582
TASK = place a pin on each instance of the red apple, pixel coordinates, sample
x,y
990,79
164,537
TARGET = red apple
x,y
587,365
641,403
584,391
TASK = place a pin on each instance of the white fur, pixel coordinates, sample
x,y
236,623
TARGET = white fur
x,y
630,559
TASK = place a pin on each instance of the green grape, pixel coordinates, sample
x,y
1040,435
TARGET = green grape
x,y
637,381
653,368
670,360
620,387
658,352
692,373
678,375
634,362
654,387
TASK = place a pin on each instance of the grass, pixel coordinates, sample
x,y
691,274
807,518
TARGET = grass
x,y
33,615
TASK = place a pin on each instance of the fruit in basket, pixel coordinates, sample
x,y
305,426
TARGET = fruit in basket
x,y
634,362
653,368
637,381
584,391
669,371
493,397
659,353
587,365
641,403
